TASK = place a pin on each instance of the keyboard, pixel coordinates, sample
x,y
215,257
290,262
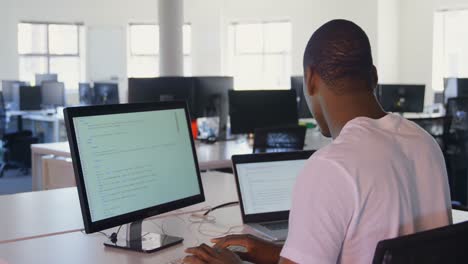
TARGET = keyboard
x,y
275,226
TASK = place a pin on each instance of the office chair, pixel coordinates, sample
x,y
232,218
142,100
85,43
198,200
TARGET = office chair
x,y
441,245
455,140
279,139
433,126
16,147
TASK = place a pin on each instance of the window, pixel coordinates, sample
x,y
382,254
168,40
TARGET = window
x,y
450,49
51,48
260,55
144,50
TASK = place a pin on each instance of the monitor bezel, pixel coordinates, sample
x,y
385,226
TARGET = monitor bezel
x,y
90,226
264,157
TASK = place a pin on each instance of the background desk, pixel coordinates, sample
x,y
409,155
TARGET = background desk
x,y
210,156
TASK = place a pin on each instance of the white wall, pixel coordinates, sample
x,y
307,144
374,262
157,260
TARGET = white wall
x,y
388,32
209,19
416,39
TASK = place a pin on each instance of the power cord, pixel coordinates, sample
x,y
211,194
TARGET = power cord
x,y
220,206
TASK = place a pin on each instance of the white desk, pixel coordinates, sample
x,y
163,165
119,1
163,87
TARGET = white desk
x,y
45,213
76,247
210,156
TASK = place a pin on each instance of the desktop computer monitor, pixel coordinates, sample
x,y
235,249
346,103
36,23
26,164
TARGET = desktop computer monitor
x,y
211,99
455,87
297,83
30,98
10,91
53,94
50,77
249,110
161,89
86,94
401,98
133,161
106,93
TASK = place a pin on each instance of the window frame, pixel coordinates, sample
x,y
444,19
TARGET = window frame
x,y
48,55
157,54
264,53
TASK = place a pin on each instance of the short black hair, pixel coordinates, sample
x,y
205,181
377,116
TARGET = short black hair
x,y
340,50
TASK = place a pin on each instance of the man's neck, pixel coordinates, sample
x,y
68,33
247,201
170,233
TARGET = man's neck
x,y
348,108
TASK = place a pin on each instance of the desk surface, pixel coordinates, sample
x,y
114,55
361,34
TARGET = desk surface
x,y
29,212
38,214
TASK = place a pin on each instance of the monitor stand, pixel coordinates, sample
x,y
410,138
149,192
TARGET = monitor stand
x,y
143,242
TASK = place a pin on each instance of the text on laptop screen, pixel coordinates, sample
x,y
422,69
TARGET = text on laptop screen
x,y
134,161
266,187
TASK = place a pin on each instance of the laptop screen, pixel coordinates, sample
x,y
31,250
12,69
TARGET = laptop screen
x,y
266,187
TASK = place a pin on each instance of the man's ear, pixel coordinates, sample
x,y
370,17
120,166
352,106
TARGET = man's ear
x,y
309,80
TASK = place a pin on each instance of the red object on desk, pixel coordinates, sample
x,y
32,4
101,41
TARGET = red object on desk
x,y
194,129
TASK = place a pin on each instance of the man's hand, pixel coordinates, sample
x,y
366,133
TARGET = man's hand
x,y
204,254
259,251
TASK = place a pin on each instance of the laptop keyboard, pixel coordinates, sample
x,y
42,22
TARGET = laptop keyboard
x,y
276,225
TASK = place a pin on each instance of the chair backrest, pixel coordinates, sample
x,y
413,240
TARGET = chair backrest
x,y
279,139
457,111
442,245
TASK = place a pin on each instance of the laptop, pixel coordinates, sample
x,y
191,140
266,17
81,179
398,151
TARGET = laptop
x,y
264,185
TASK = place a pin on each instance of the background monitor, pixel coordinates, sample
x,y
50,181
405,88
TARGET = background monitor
x,y
161,89
211,99
50,77
133,161
249,110
53,94
30,98
10,91
455,87
106,93
297,83
402,98
86,94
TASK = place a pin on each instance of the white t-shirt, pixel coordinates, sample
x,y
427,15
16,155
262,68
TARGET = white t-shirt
x,y
378,179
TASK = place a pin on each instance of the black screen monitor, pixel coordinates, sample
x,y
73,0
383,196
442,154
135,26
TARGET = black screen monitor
x,y
53,94
249,110
211,99
48,77
297,83
133,161
86,94
455,87
10,91
30,98
161,89
402,98
106,93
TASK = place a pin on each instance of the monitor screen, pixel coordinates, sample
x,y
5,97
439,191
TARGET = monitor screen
x,y
297,83
30,98
266,187
106,93
53,94
86,94
41,78
249,110
402,98
132,161
161,89
10,89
